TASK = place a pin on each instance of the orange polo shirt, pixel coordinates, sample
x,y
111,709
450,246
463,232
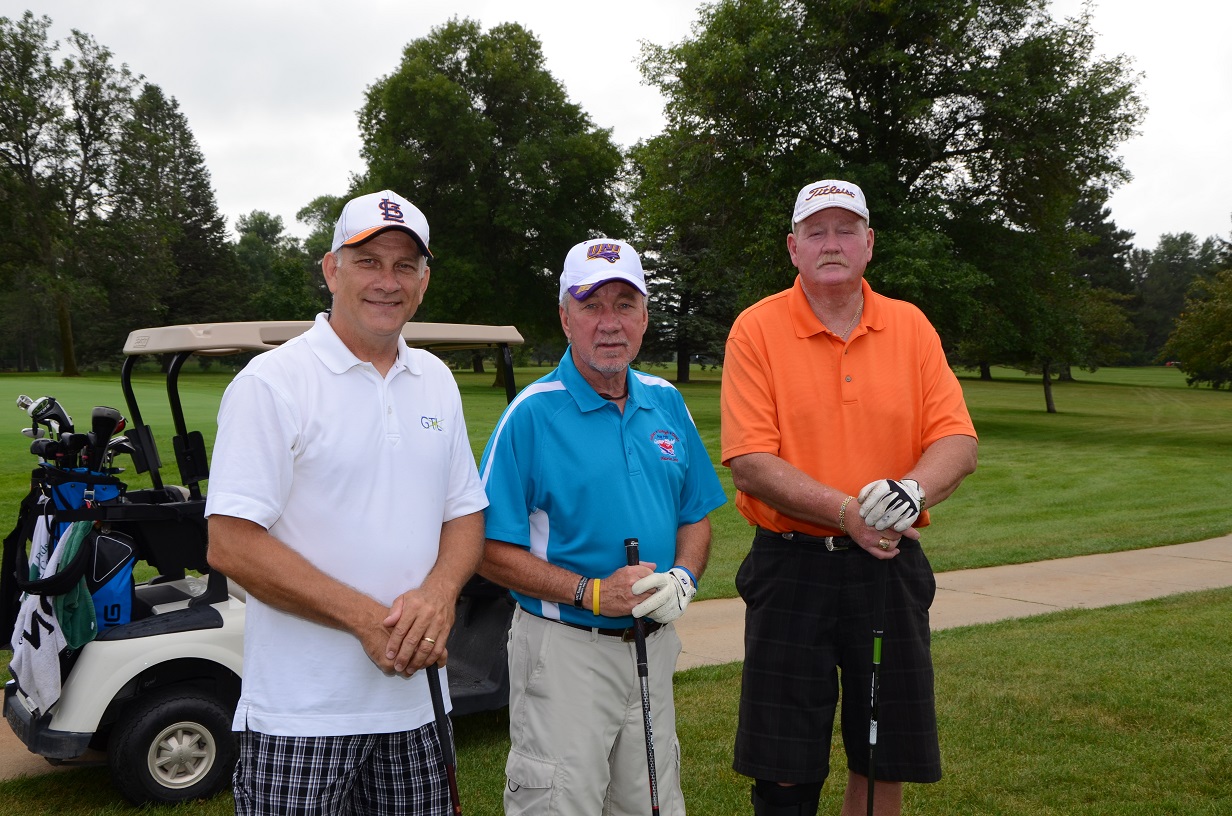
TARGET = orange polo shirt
x,y
844,413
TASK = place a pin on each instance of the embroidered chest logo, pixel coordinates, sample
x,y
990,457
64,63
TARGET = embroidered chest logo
x,y
666,442
432,424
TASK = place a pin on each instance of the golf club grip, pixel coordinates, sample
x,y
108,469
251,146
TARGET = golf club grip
x,y
443,736
632,559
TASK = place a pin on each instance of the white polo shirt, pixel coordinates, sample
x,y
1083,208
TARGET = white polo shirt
x,y
357,473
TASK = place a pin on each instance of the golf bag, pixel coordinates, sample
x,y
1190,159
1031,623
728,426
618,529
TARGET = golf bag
x,y
57,498
70,489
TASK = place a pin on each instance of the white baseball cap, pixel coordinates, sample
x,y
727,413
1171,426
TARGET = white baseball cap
x,y
827,193
593,263
369,215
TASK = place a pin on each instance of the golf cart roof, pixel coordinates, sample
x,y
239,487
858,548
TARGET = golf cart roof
x,y
219,339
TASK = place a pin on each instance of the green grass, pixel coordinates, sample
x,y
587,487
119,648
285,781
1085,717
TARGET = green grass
x,y
1132,459
1122,711
1118,711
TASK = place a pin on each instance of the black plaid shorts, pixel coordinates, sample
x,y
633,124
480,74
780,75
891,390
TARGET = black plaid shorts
x,y
808,630
398,773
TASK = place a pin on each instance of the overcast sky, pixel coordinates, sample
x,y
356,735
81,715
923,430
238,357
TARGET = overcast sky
x,y
271,87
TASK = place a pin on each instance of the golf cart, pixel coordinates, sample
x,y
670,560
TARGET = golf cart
x,y
156,684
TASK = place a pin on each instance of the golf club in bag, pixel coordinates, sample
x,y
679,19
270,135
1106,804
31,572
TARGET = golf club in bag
x,y
879,604
445,735
643,674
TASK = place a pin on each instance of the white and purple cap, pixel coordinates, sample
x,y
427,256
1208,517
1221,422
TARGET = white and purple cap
x,y
827,193
593,263
367,216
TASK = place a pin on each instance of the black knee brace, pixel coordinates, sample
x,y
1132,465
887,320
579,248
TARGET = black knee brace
x,y
772,799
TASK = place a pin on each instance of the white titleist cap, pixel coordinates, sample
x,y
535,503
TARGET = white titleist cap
x,y
829,193
593,263
369,215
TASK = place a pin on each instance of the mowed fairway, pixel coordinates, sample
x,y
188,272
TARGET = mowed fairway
x,y
1133,459
1102,712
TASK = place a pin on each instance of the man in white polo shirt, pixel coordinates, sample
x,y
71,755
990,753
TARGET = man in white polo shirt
x,y
344,498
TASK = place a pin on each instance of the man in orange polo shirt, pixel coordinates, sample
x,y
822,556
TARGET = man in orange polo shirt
x,y
842,421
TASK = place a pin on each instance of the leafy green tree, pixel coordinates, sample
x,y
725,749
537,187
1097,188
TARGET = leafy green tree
x,y
320,215
287,281
262,241
476,132
59,126
1103,249
1162,277
1103,291
948,113
162,254
1201,343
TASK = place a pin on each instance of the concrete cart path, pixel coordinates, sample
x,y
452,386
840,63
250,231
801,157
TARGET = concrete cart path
x,y
713,631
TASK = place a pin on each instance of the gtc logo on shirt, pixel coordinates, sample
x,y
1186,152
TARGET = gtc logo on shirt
x,y
432,424
666,442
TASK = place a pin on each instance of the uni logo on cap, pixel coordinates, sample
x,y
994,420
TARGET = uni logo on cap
x,y
391,211
605,252
829,189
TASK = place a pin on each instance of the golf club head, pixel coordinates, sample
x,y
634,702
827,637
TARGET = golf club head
x,y
24,402
34,433
73,445
49,450
48,411
121,444
106,422
117,445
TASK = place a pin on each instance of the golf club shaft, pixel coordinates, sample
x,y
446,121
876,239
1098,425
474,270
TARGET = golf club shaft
x,y
643,676
444,734
879,601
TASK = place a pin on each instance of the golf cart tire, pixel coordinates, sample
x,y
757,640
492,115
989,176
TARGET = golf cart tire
x,y
172,747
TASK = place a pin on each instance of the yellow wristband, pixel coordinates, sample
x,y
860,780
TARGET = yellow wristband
x,y
842,515
594,602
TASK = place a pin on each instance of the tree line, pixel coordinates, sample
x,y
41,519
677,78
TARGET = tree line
x,y
984,132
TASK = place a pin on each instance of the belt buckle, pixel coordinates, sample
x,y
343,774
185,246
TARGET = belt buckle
x,y
830,543
629,634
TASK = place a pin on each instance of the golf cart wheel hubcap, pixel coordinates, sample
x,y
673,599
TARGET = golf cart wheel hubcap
x,y
182,754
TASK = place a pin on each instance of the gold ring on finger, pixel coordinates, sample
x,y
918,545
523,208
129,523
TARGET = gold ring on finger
x,y
885,543
430,640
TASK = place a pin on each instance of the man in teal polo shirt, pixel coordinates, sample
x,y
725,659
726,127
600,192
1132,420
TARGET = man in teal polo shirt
x,y
588,456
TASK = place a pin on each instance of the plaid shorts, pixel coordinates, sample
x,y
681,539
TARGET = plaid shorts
x,y
808,628
399,773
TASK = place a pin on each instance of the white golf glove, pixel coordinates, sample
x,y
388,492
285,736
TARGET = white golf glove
x,y
889,503
672,592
